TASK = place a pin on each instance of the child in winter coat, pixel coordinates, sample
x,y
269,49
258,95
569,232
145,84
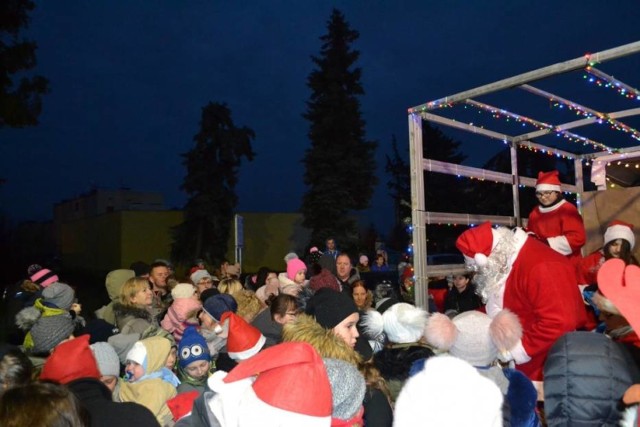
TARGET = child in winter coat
x,y
294,279
194,364
148,381
183,311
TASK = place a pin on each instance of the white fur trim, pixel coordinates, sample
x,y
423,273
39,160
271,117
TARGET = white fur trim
x,y
254,412
480,259
245,354
560,244
619,232
519,354
548,187
630,417
547,209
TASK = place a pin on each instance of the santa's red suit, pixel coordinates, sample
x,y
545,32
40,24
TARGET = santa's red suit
x,y
561,226
588,268
540,288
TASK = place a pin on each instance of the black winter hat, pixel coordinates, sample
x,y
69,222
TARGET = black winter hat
x,y
330,307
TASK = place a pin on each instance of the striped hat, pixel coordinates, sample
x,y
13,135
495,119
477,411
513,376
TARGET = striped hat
x,y
44,277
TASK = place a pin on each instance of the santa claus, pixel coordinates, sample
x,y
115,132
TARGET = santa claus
x,y
518,272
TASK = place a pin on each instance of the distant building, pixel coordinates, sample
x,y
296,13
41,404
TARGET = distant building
x,y
107,229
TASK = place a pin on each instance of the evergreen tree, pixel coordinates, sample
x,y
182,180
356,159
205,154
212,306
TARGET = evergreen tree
x,y
212,174
340,165
20,103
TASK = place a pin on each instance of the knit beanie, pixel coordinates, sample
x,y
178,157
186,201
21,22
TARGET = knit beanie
x,y
199,275
448,392
42,276
192,347
70,361
50,331
106,358
183,290
208,293
347,388
330,307
219,304
473,336
294,266
59,294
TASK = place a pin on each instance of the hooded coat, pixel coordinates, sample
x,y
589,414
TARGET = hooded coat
x,y
113,283
152,393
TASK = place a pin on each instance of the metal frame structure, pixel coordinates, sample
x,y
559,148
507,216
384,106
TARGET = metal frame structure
x,y
418,165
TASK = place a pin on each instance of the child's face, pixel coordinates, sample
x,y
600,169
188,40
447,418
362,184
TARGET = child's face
x,y
134,371
615,247
171,359
198,369
300,277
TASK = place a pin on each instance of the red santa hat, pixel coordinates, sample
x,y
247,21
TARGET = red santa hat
x,y
291,388
182,405
548,181
477,243
244,340
619,230
71,360
620,284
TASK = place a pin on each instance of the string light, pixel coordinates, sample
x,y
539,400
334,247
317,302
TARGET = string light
x,y
610,83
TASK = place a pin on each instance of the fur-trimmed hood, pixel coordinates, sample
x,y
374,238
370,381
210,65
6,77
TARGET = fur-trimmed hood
x,y
125,313
306,329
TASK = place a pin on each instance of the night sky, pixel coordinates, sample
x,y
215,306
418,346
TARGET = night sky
x,y
129,78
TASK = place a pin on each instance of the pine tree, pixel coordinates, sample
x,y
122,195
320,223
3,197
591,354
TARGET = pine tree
x,y
212,174
20,103
340,165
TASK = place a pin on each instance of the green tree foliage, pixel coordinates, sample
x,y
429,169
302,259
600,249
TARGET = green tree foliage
x,y
20,102
339,166
212,174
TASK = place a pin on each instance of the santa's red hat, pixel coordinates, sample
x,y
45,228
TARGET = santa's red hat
x,y
291,386
477,243
70,361
619,230
244,340
548,181
620,284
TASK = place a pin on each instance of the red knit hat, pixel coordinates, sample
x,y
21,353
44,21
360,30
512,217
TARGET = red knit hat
x,y
620,284
291,384
244,340
620,230
71,360
548,181
477,243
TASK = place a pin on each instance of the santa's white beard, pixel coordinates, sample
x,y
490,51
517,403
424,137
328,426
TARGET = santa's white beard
x,y
490,277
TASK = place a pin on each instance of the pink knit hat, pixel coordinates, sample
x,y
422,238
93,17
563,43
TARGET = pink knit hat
x,y
294,266
44,277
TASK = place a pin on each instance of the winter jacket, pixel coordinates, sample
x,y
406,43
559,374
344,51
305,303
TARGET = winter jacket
x,y
377,408
131,320
271,329
585,376
460,302
394,362
113,283
95,397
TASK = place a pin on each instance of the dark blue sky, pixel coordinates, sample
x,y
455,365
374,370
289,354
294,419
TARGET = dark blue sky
x,y
128,81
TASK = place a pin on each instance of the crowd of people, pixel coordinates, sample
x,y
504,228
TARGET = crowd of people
x,y
534,334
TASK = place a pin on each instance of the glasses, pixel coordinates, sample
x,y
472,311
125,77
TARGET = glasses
x,y
544,193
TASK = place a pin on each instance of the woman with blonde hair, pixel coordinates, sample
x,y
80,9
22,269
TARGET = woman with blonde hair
x,y
230,286
134,308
